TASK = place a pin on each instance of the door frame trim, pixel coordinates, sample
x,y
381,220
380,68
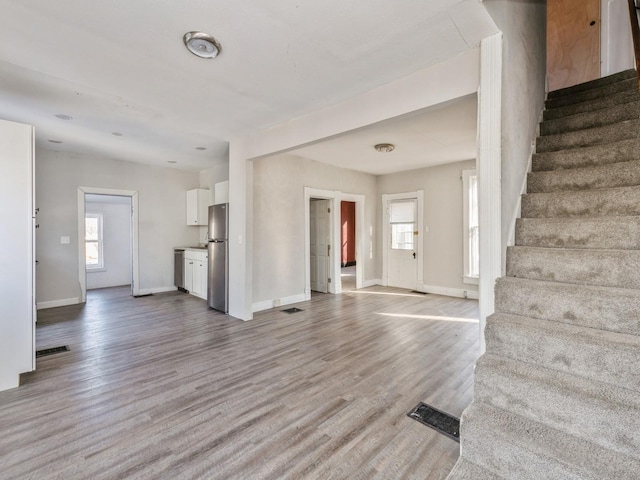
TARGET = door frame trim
x,y
82,274
386,198
334,197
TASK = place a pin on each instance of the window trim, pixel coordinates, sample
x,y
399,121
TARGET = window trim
x,y
100,266
467,278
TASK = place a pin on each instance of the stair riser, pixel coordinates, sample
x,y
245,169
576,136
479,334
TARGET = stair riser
x,y
614,202
627,85
599,413
607,268
502,443
619,113
597,83
593,136
626,150
621,233
599,104
604,360
624,174
614,310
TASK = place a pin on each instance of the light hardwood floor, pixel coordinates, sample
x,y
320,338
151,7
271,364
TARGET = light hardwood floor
x,y
161,387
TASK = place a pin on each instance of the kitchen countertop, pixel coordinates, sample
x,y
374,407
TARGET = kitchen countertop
x,y
197,249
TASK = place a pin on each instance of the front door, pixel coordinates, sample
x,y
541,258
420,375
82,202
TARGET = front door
x,y
402,261
320,237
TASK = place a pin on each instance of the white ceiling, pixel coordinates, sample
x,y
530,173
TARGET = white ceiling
x,y
120,66
441,134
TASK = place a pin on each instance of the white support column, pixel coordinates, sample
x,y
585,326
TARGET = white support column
x,y
240,234
489,174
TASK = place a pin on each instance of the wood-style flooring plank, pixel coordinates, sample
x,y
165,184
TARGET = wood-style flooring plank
x,y
163,387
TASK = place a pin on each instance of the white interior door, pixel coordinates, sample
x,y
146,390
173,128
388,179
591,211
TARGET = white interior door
x,y
320,241
402,261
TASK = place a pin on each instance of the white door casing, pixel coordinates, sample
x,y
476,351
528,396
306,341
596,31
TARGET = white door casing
x,y
320,244
82,273
399,267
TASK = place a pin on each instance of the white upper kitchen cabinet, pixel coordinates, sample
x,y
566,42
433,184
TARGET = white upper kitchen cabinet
x,y
17,264
198,201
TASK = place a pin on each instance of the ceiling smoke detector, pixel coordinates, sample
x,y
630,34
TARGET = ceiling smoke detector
x,y
384,147
202,44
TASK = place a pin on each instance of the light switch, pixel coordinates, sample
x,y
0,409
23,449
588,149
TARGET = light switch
x,y
426,229
65,240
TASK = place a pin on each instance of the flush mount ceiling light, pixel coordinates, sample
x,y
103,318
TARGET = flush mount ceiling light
x,y
201,148
202,44
55,141
385,147
63,116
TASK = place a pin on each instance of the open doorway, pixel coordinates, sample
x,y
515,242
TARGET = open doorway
x,y
108,223
348,245
363,251
107,241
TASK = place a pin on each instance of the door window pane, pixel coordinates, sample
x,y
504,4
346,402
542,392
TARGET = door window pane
x,y
402,236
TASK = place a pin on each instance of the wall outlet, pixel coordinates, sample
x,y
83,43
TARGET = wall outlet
x,y
65,240
277,302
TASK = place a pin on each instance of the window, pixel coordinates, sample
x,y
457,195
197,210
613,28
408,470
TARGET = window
x,y
402,216
470,220
93,241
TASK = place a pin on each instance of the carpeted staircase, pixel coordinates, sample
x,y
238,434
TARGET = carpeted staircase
x,y
557,393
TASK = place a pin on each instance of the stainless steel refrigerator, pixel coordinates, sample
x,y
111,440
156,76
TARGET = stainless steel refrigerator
x,y
218,245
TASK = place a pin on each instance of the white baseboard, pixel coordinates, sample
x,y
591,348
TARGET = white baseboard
x,y
57,303
149,291
449,292
277,303
372,282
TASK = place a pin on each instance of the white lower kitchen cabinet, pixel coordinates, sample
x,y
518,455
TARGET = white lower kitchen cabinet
x,y
195,272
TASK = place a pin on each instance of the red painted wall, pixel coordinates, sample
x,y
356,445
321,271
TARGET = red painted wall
x,y
348,232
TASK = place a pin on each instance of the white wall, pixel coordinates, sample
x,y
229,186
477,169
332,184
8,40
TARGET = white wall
x,y
616,42
278,220
116,236
443,245
162,218
523,24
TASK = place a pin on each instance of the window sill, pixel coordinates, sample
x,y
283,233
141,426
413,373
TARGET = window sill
x,y
471,280
95,270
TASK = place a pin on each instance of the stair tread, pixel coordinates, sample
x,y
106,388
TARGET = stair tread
x,y
590,105
598,135
518,448
612,201
593,118
586,408
608,357
602,154
571,98
588,266
605,232
616,77
588,177
612,309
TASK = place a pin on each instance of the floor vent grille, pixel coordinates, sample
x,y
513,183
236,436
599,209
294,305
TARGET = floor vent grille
x,y
292,310
144,295
442,422
50,351
416,291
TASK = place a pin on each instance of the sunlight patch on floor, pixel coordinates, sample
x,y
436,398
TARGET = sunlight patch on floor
x,y
430,317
